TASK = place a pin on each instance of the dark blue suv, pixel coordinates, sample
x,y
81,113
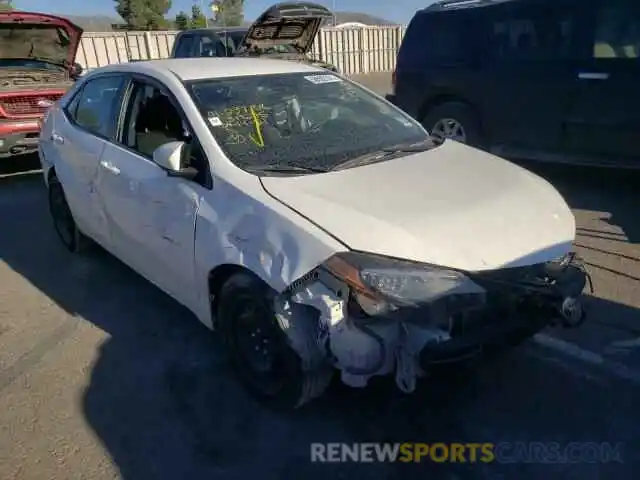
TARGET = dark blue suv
x,y
550,80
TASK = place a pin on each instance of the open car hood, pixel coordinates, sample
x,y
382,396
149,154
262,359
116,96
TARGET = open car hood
x,y
288,23
38,36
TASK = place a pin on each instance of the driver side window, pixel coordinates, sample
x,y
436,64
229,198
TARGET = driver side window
x,y
152,119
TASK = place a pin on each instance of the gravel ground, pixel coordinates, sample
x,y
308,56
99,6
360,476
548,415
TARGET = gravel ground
x,y
103,376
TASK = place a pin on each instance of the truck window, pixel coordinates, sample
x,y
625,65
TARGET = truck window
x,y
211,47
184,47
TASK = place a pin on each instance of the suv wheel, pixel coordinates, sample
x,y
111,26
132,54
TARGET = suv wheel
x,y
455,121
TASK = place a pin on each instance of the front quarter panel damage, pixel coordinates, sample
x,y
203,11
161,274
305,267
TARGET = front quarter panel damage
x,y
242,227
311,305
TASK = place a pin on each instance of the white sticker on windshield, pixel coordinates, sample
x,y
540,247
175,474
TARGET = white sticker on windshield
x,y
319,79
215,122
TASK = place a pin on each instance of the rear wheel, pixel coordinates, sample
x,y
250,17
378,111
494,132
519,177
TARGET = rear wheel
x,y
259,349
455,121
72,238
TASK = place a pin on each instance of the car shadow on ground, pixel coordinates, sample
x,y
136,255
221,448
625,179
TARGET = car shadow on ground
x,y
164,404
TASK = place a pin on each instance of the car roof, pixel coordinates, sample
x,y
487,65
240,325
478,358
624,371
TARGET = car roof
x,y
187,69
213,30
448,5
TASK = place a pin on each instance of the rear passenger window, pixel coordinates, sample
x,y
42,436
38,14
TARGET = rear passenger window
x,y
617,32
95,107
533,35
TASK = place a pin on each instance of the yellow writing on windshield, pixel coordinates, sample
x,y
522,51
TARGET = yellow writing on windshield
x,y
236,117
258,139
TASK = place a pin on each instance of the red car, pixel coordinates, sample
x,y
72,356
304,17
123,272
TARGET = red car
x,y
37,55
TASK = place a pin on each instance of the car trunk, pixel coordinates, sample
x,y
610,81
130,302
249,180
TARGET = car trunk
x,y
288,24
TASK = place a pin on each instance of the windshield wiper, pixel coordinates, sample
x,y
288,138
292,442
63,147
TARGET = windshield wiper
x,y
386,153
421,146
288,169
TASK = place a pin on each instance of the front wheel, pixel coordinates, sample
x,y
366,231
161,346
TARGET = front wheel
x,y
72,238
259,349
455,121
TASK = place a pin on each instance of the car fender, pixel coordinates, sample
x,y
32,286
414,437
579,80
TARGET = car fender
x,y
241,225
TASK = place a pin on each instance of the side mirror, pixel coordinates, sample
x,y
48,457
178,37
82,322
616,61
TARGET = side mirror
x,y
76,70
169,157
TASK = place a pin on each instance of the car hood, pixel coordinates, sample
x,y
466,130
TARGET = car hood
x,y
26,35
453,206
288,23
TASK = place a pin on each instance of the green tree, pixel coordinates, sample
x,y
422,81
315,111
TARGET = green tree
x,y
144,14
198,20
228,13
6,6
182,21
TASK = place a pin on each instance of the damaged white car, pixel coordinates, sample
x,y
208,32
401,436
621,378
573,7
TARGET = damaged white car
x,y
311,222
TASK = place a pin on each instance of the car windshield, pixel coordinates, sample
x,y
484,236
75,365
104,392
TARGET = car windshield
x,y
314,121
233,40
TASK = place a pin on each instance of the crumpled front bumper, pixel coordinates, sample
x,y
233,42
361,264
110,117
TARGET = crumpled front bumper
x,y
324,328
492,337
518,311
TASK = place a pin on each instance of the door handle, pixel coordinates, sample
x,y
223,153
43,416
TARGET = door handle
x,y
110,167
593,76
55,138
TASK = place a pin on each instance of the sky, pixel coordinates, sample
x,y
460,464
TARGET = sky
x,y
399,11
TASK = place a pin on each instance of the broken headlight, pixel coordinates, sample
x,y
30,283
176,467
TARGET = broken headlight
x,y
381,284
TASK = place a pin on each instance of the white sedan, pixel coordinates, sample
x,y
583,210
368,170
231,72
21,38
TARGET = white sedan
x,y
310,221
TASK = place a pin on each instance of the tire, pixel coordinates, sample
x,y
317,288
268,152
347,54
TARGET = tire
x,y
246,322
68,233
460,113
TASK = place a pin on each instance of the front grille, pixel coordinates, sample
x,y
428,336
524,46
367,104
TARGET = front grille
x,y
24,105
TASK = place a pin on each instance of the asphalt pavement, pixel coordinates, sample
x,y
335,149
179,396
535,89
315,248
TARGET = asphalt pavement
x,y
103,376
